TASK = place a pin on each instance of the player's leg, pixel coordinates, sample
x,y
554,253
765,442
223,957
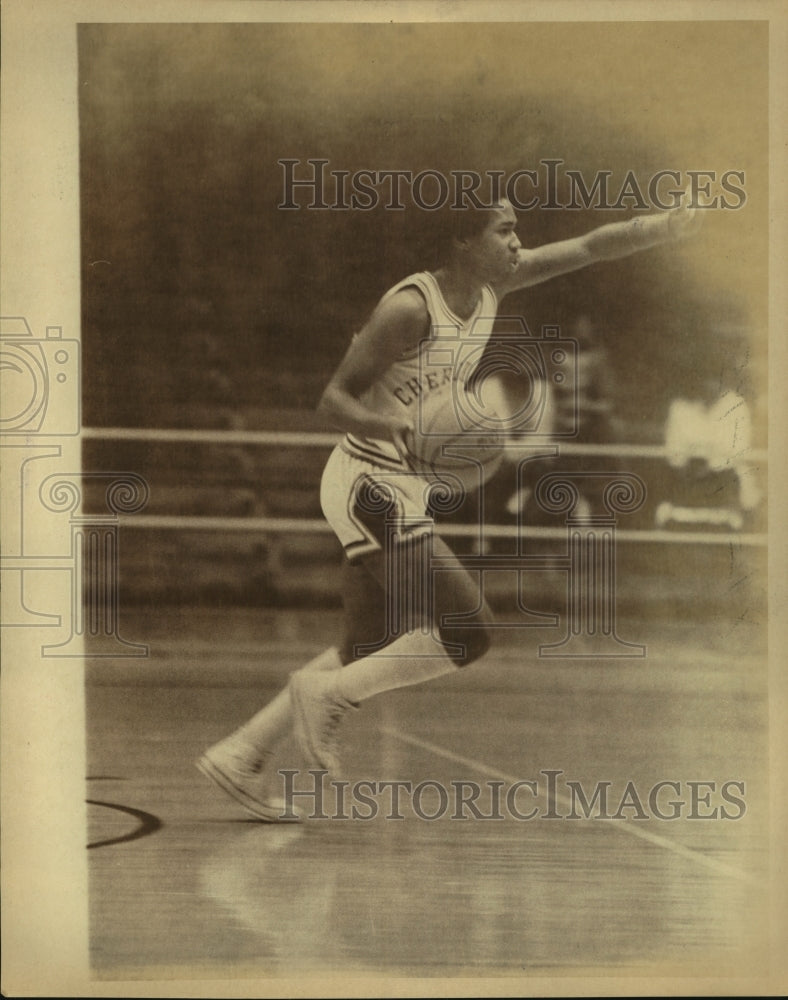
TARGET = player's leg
x,y
434,592
240,762
429,646
363,609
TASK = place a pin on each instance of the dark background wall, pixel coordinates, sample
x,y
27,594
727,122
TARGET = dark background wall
x,y
197,289
206,305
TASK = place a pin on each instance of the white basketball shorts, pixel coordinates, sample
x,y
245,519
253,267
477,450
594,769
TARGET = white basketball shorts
x,y
370,507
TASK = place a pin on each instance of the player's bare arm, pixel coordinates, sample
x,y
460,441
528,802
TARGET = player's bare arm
x,y
608,242
396,326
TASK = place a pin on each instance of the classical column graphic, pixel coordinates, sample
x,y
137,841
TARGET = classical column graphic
x,y
94,561
23,558
591,536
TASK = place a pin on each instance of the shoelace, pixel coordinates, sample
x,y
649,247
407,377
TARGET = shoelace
x,y
335,715
254,765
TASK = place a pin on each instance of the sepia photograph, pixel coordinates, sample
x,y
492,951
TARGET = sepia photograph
x,y
392,404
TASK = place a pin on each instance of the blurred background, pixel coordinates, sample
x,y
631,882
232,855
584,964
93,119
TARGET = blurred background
x,y
205,306
211,321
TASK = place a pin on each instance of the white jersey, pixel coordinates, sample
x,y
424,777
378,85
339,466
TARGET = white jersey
x,y
452,349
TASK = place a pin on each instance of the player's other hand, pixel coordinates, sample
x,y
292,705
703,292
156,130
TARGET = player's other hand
x,y
685,220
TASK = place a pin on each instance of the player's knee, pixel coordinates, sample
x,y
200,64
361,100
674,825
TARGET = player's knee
x,y
347,652
466,645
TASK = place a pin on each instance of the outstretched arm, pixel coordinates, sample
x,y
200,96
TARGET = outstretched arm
x,y
609,242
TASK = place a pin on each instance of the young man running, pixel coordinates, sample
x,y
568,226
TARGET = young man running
x,y
369,480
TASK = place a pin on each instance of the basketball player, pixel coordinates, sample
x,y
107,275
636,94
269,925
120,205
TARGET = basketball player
x,y
370,398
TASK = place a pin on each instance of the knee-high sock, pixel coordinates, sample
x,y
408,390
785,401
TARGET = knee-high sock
x,y
411,659
275,718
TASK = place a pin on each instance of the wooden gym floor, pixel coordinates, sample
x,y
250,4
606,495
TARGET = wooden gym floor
x,y
184,883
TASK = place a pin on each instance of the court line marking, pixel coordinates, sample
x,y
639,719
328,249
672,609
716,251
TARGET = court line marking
x,y
563,800
148,823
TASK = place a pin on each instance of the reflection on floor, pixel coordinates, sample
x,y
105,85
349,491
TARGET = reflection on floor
x,y
216,892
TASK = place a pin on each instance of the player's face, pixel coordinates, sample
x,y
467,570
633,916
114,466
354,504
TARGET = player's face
x,y
495,248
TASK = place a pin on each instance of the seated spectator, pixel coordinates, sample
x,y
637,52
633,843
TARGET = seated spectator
x,y
708,438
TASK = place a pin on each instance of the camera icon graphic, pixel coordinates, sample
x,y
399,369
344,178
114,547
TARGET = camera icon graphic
x,y
541,367
41,381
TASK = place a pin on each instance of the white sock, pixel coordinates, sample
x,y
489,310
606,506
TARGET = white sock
x,y
274,720
411,659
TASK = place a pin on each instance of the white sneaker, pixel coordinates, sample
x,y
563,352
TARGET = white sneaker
x,y
317,713
240,774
